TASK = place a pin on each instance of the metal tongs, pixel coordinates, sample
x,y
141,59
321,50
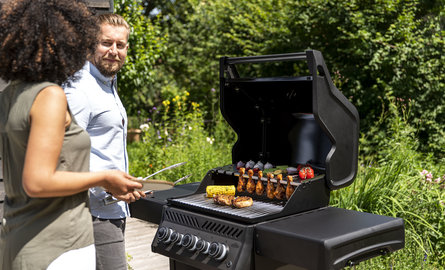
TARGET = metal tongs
x,y
110,199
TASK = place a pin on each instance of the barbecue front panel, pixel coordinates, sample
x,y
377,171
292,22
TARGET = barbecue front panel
x,y
204,242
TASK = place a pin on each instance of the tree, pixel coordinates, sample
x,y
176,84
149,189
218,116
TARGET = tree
x,y
372,49
147,42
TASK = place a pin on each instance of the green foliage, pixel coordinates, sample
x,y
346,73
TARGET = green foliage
x,y
174,134
146,45
401,182
380,47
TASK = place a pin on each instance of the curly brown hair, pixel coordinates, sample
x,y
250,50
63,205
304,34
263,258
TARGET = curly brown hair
x,y
45,40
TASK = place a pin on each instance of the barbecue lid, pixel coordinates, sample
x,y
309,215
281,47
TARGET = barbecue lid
x,y
291,120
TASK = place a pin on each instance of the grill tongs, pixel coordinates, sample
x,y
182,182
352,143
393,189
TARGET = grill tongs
x,y
110,199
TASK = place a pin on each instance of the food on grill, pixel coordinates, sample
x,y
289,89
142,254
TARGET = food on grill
x,y
258,166
302,174
306,172
250,164
217,190
241,181
279,192
309,173
240,164
268,166
292,170
270,188
289,189
250,187
242,201
230,200
259,188
223,199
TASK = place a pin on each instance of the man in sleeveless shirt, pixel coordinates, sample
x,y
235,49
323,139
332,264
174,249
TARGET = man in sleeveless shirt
x,y
96,107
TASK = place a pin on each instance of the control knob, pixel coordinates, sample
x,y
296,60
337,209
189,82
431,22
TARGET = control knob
x,y
164,234
189,241
218,251
176,238
202,246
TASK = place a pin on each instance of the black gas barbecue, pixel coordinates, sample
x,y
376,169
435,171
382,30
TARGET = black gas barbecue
x,y
284,121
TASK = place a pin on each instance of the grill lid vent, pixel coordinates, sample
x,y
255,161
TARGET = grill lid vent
x,y
181,219
222,229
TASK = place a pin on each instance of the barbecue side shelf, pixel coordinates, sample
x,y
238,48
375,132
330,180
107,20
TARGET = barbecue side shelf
x,y
308,195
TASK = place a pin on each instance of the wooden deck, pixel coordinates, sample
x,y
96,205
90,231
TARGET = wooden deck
x,y
138,237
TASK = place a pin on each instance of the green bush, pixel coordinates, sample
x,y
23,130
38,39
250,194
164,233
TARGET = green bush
x,y
174,134
146,45
399,181
378,47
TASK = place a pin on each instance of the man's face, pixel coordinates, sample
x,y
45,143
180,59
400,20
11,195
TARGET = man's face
x,y
111,51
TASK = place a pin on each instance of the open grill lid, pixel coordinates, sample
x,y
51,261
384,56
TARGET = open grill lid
x,y
291,120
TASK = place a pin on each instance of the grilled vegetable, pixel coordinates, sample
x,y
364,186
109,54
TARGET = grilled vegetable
x,y
309,173
302,174
218,190
258,167
268,166
292,170
240,164
250,164
306,173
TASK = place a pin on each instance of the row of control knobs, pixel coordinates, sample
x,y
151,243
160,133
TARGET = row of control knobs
x,y
216,250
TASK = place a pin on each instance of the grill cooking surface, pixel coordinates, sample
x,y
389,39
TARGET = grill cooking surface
x,y
257,210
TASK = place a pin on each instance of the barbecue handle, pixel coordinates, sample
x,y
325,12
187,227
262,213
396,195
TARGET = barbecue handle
x,y
366,253
266,58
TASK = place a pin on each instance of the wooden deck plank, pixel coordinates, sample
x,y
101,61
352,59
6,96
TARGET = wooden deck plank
x,y
138,237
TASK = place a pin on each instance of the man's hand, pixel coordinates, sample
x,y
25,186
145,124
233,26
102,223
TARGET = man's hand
x,y
131,197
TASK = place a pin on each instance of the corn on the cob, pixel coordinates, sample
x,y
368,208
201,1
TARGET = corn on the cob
x,y
217,190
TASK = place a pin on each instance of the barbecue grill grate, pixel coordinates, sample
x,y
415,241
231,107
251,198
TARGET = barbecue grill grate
x,y
257,210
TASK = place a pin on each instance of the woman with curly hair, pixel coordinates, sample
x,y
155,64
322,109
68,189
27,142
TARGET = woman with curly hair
x,y
47,223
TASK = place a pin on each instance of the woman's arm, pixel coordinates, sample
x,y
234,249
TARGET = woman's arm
x,y
49,117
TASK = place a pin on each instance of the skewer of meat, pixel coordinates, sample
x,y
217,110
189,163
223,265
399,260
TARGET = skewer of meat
x,y
241,182
270,187
280,192
250,187
259,188
289,189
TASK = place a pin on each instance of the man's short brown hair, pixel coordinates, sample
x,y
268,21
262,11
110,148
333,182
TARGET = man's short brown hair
x,y
113,19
